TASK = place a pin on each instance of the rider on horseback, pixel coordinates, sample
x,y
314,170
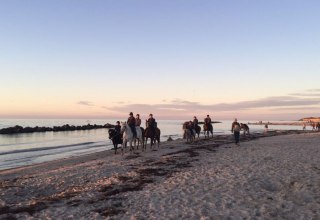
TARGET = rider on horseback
x,y
138,120
207,127
195,122
117,128
191,127
207,120
132,124
151,123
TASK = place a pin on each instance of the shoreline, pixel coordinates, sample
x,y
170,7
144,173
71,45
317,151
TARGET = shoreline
x,y
110,152
90,186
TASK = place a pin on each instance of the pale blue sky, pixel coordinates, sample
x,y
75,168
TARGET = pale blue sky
x,y
60,53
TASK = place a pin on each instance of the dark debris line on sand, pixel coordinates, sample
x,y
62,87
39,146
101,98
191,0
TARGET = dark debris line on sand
x,y
108,199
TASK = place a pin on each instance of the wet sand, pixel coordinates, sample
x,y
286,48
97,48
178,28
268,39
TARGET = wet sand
x,y
275,175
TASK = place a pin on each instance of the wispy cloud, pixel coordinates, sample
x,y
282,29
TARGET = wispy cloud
x,y
183,102
313,90
188,106
306,93
304,109
86,103
120,102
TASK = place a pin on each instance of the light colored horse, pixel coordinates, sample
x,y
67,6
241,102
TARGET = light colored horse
x,y
128,136
187,133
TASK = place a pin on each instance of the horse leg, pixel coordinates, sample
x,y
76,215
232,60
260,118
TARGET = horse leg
x,y
194,135
130,146
145,144
154,143
138,143
151,141
189,137
142,140
142,143
135,143
124,146
122,151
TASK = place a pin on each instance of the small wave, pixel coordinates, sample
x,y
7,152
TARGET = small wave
x,y
45,148
49,154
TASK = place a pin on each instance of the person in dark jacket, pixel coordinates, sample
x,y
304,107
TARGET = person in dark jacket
x,y
138,120
132,124
151,122
195,121
117,128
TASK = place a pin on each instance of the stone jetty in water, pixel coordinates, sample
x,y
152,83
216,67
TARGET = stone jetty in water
x,y
19,129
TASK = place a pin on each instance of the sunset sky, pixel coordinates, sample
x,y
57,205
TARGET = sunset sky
x,y
251,59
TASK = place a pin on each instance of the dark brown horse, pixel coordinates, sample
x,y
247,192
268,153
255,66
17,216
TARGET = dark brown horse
x,y
153,134
116,139
245,129
198,130
207,127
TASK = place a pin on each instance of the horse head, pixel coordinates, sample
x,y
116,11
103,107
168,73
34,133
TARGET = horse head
x,y
124,126
184,125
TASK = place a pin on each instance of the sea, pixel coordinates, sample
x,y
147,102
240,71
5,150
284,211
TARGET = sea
x,y
30,148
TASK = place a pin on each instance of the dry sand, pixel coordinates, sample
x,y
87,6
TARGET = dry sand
x,y
276,177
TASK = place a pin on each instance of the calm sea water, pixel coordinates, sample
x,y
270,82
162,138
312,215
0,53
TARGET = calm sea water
x,y
25,149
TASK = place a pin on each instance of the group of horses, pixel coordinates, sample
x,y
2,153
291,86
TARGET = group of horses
x,y
126,136
190,136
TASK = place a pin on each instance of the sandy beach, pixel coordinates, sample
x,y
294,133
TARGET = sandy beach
x,y
273,176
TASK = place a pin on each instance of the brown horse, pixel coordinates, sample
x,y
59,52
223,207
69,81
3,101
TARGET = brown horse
x,y
207,127
153,134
